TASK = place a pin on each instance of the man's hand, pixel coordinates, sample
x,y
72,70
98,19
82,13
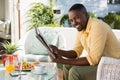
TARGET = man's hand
x,y
56,51
56,59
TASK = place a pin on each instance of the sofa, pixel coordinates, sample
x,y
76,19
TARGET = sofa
x,y
68,36
33,50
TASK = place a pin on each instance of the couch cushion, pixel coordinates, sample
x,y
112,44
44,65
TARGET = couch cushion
x,y
2,26
34,46
69,35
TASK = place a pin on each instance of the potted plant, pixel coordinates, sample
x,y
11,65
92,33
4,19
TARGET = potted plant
x,y
9,49
40,15
113,20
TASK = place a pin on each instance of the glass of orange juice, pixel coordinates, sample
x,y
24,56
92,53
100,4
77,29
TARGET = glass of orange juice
x,y
9,64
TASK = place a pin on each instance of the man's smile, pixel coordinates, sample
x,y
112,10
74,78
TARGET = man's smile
x,y
78,27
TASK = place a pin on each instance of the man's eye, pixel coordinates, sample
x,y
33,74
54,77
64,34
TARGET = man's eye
x,y
77,17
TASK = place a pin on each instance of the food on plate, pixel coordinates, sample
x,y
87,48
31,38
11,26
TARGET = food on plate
x,y
27,65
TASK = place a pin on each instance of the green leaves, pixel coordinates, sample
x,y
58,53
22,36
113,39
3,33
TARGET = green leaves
x,y
40,15
113,20
9,47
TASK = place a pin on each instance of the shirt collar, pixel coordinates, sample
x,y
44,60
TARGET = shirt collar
x,y
88,27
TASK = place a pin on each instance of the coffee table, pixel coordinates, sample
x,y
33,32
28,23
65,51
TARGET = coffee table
x,y
30,75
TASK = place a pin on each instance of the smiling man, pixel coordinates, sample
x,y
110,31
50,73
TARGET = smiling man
x,y
95,36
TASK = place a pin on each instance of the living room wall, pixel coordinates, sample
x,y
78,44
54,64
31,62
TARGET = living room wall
x,y
2,9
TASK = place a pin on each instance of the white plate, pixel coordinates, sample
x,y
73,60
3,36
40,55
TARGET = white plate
x,y
24,69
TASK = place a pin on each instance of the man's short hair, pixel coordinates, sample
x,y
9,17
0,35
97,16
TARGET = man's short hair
x,y
78,7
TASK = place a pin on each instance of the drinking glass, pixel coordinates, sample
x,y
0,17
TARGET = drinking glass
x,y
9,64
18,64
9,67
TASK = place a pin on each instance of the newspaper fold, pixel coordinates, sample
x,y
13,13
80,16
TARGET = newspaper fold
x,y
40,37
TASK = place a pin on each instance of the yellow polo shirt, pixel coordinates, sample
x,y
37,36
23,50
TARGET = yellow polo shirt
x,y
98,40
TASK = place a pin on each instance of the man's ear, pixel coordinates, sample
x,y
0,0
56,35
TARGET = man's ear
x,y
86,14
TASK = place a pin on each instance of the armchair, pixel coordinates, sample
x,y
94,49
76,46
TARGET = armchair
x,y
5,30
108,69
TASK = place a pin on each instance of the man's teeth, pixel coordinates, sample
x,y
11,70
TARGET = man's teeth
x,y
77,26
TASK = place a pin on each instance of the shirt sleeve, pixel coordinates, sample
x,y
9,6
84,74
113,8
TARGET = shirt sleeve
x,y
78,48
97,43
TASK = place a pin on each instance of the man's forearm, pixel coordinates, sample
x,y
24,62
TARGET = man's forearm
x,y
68,54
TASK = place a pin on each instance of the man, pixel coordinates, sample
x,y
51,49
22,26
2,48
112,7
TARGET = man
x,y
95,37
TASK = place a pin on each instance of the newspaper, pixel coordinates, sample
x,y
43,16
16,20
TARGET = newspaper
x,y
43,41
108,69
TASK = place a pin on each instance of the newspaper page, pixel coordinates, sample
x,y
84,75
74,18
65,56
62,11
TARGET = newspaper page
x,y
43,41
108,69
